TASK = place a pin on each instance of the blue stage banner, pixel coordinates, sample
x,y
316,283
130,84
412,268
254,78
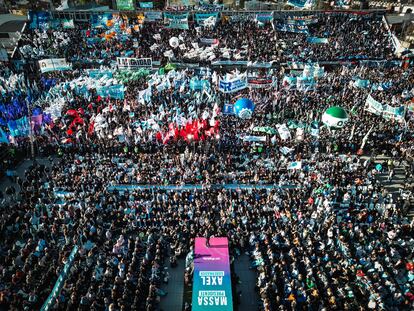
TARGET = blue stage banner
x,y
316,40
212,278
201,17
176,21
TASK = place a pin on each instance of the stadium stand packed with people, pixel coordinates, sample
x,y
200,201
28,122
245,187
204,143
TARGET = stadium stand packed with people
x,y
283,134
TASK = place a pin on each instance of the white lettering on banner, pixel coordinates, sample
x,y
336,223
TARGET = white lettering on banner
x,y
212,301
212,280
211,273
131,63
212,298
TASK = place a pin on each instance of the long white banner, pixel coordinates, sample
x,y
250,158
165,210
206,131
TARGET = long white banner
x,y
54,64
132,63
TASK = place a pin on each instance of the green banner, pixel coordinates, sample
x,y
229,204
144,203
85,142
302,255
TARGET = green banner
x,y
125,5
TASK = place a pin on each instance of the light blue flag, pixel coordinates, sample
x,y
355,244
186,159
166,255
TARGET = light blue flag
x,y
3,137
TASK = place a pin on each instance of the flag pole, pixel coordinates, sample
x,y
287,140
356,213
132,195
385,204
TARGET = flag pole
x,y
29,114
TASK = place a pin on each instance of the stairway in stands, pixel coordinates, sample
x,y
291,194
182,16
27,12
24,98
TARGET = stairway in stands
x,y
397,182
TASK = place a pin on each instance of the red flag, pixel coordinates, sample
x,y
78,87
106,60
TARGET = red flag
x,y
72,113
91,128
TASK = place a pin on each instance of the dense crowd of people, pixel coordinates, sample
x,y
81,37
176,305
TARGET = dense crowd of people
x,y
326,235
237,39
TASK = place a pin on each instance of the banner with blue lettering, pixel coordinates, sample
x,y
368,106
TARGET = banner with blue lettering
x,y
200,18
152,16
373,106
113,91
293,28
176,20
316,40
233,85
